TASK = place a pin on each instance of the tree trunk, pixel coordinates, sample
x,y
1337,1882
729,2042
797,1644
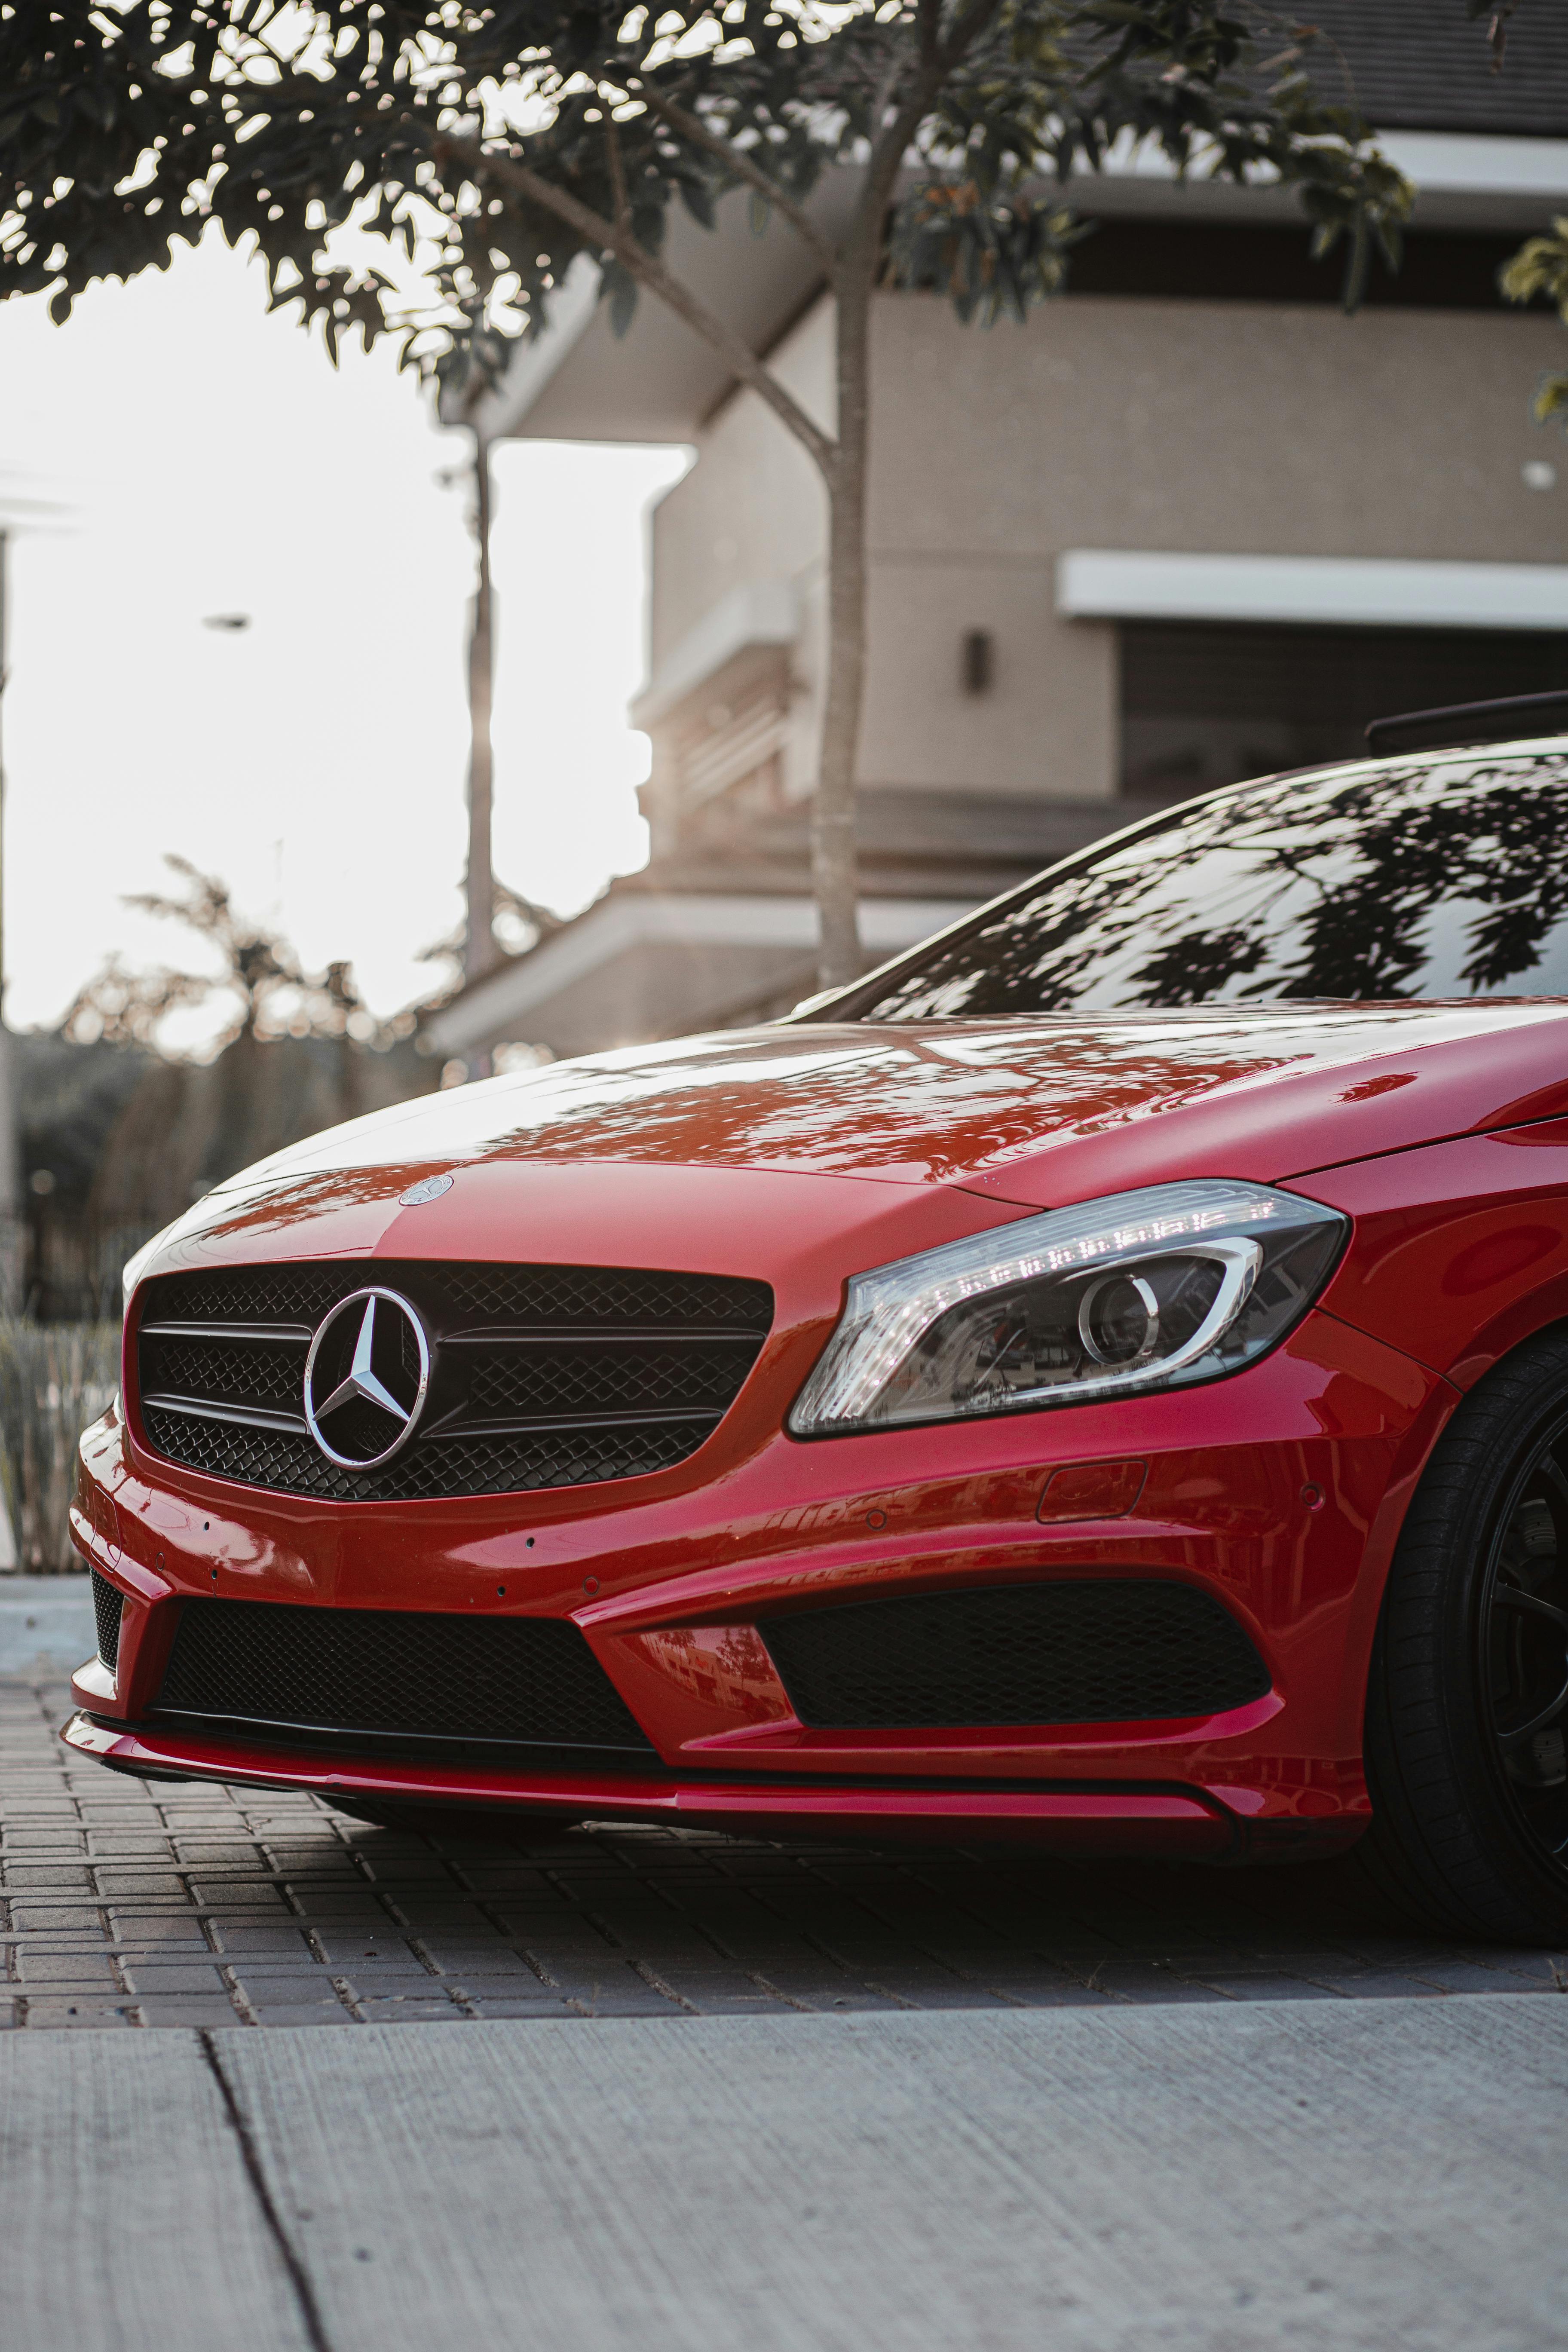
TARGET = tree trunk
x,y
833,865
478,946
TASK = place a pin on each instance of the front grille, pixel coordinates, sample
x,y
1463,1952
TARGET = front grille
x,y
506,1465
394,1674
1115,1650
632,1374
107,1604
542,1376
254,1371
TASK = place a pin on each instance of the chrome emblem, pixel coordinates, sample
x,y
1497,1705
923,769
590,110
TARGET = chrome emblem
x,y
430,1189
365,1379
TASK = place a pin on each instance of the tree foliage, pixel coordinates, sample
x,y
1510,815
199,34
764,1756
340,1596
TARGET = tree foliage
x,y
480,150
1541,267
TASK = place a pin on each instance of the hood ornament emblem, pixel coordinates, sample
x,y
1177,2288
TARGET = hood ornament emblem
x,y
430,1189
365,1379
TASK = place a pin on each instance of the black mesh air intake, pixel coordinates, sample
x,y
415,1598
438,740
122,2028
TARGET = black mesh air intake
x,y
107,1604
1119,1650
539,1375
395,1672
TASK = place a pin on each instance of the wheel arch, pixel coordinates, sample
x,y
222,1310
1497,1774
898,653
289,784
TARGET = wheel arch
x,y
1419,1445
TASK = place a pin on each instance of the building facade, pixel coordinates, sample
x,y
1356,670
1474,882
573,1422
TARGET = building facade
x,y
1188,524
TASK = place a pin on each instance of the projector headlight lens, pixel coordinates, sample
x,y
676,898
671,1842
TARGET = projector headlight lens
x,y
1152,1289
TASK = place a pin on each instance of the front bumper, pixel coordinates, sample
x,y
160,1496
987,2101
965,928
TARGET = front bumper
x,y
1278,1492
1107,1821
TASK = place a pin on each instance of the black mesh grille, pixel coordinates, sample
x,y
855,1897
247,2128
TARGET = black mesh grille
x,y
1117,1650
253,1294
542,1376
395,1672
576,1296
107,1604
507,1464
240,1371
627,1376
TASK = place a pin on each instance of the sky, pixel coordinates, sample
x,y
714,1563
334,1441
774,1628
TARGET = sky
x,y
202,459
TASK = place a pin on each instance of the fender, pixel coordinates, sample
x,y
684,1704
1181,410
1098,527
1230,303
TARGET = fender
x,y
1460,1250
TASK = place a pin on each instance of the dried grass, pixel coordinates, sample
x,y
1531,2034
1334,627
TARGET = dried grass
x,y
54,1378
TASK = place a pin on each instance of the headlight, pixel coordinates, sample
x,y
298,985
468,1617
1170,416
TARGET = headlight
x,y
1143,1290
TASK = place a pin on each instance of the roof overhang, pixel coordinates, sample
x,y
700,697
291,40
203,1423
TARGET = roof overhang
x,y
577,380
645,964
1345,592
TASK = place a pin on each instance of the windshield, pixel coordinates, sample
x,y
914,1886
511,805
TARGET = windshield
x,y
1445,877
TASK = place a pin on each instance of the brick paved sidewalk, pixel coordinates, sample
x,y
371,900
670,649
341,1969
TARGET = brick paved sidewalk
x,y
125,1902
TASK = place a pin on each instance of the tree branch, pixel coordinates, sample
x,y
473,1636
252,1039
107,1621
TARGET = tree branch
x,y
740,161
888,152
929,17
617,173
967,31
648,271
888,149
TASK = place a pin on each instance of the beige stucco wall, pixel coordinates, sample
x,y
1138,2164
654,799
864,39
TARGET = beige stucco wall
x,y
752,507
1103,423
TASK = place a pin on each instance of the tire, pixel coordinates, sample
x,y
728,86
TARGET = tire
x,y
1467,1700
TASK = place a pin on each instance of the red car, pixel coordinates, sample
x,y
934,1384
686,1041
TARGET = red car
x,y
1102,1380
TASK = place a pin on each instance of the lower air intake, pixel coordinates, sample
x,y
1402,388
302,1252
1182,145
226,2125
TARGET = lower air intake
x,y
107,1604
1119,1650
394,1674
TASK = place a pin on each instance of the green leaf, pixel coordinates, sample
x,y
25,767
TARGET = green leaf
x,y
619,288
699,203
1552,400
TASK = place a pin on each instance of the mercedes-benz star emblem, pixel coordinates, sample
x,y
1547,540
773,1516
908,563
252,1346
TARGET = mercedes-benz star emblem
x,y
365,1379
429,1189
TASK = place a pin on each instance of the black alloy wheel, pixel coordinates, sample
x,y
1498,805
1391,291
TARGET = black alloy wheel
x,y
1466,1735
1521,1636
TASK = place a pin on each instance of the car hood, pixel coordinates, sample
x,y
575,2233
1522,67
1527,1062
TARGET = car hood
x,y
1024,1109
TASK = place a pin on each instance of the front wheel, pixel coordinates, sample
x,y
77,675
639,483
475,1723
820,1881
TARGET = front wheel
x,y
1467,1703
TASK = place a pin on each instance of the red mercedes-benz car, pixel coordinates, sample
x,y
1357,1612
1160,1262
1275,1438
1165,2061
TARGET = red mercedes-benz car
x,y
1101,1381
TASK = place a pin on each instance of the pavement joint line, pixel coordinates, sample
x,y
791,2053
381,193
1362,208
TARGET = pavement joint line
x,y
651,1976
300,2286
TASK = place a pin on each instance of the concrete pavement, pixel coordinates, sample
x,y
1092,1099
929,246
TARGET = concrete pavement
x,y
1345,2176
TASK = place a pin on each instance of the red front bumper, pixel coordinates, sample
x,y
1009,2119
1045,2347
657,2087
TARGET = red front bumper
x,y
1279,1493
1082,1821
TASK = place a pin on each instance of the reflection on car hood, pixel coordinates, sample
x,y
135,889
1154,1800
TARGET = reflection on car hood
x,y
957,1101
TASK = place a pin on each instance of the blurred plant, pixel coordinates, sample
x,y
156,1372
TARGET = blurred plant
x,y
258,970
517,925
1541,266
54,1380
